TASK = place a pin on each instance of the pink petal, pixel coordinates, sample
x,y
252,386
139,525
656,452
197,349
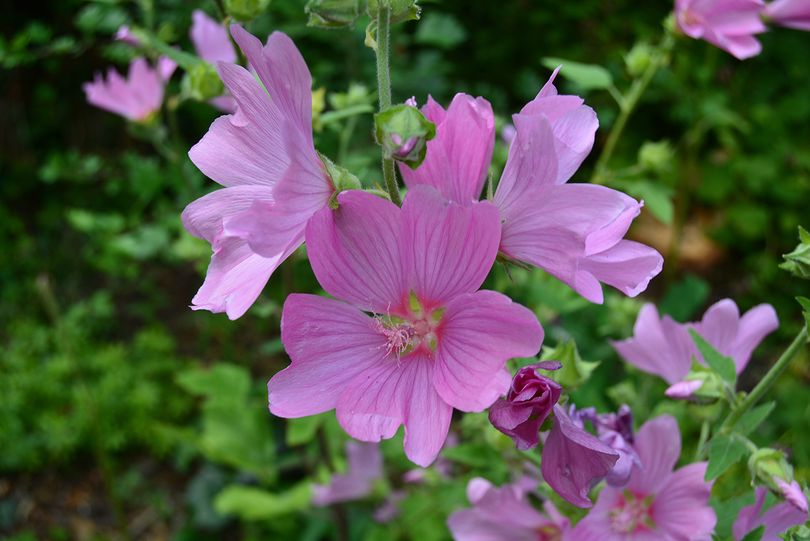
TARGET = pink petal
x,y
365,467
354,252
204,217
755,325
477,488
210,39
682,508
447,249
427,415
330,344
628,266
465,365
790,13
777,519
683,390
658,444
720,325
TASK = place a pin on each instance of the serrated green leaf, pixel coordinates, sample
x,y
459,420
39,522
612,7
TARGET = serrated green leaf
x,y
724,366
724,452
251,503
754,535
753,418
585,76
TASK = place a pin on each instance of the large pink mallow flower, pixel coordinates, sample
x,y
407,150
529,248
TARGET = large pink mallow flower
x,y
662,346
212,44
138,96
505,514
776,520
728,24
365,466
274,180
573,231
658,504
434,342
790,13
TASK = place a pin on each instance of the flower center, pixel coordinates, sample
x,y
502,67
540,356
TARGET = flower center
x,y
631,514
549,532
417,329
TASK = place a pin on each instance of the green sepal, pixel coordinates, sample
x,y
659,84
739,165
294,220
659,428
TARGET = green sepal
x,y
403,132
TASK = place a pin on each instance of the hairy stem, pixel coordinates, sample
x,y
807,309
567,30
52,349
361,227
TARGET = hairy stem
x,y
384,90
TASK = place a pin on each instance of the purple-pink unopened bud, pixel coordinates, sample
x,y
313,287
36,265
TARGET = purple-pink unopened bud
x,y
683,390
793,493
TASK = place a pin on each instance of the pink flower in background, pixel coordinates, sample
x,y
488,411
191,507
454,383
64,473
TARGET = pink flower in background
x,y
435,342
663,347
790,13
616,431
776,520
574,460
527,404
658,503
124,34
365,466
573,231
274,180
212,44
136,98
505,514
727,24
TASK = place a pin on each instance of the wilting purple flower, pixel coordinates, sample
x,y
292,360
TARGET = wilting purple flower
x,y
135,98
505,514
265,158
573,231
527,404
616,431
436,342
663,347
365,466
776,519
212,44
574,460
790,13
658,503
727,24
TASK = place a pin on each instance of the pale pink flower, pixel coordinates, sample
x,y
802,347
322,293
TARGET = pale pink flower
x,y
136,98
727,24
664,347
658,504
505,514
365,466
212,44
777,519
274,180
790,13
435,342
573,231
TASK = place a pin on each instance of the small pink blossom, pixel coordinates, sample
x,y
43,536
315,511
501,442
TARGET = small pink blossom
x,y
136,98
790,13
365,466
273,179
416,268
727,24
776,520
658,503
505,514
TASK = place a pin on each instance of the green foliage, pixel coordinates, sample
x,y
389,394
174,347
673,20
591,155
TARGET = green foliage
x,y
250,503
724,452
584,76
722,365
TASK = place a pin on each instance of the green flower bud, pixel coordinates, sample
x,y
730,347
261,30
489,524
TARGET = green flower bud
x,y
332,13
574,371
245,10
202,82
403,132
767,465
401,10
638,59
797,262
655,156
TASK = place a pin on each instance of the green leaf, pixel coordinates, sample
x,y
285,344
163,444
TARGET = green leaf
x,y
585,76
226,382
657,198
251,503
440,30
724,366
805,303
684,298
300,431
753,418
754,535
724,452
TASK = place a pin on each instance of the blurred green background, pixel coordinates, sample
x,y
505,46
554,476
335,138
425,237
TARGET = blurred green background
x,y
125,415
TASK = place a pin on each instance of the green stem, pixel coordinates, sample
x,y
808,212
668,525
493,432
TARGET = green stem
x,y
767,381
704,437
384,90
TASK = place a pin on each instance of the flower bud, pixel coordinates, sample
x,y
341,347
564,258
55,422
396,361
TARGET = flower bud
x,y
202,82
638,59
797,262
575,371
403,132
792,493
332,13
655,156
767,465
245,10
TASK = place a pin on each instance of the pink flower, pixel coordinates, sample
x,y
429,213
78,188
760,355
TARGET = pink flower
x,y
505,514
435,343
274,181
663,347
573,231
212,44
790,13
727,24
135,98
658,504
527,404
574,460
365,466
776,519
792,493
616,431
